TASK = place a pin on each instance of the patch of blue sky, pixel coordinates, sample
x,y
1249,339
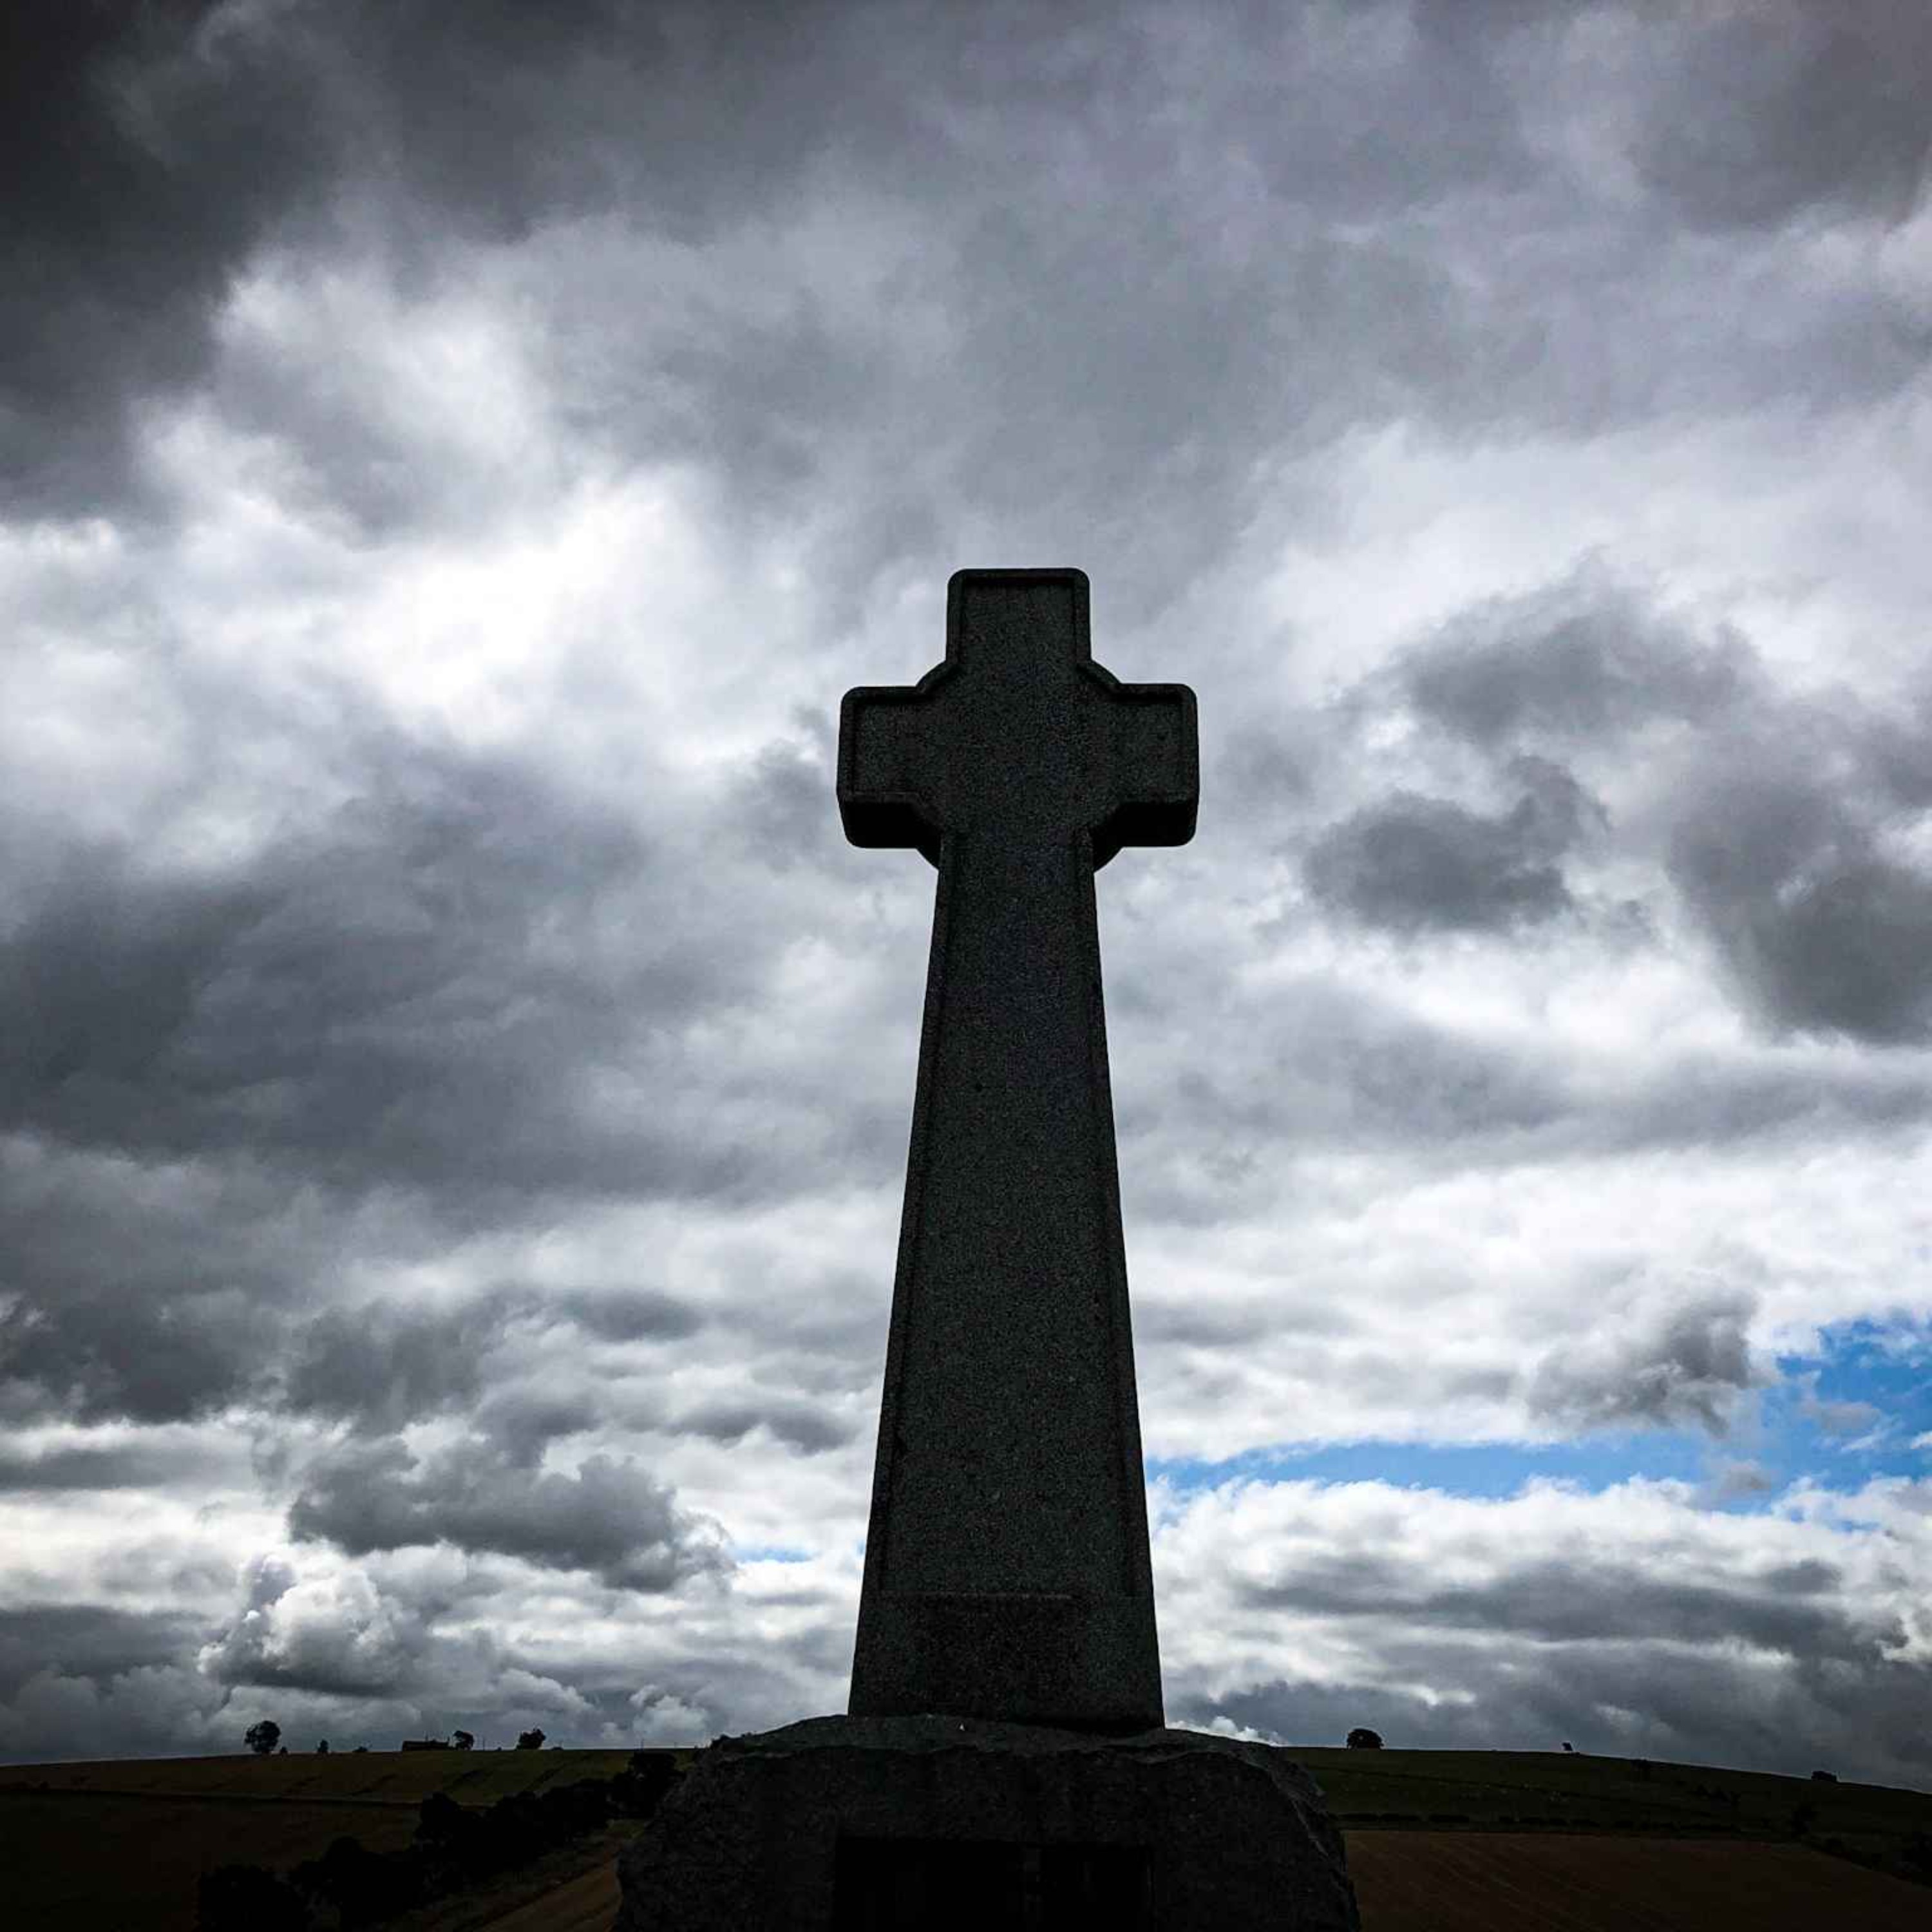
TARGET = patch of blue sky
x,y
769,1553
1861,1407
1486,1469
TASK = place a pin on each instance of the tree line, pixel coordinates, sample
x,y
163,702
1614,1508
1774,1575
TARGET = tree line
x,y
454,1846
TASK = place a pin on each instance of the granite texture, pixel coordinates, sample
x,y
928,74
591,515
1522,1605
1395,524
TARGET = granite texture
x,y
933,1821
1007,1569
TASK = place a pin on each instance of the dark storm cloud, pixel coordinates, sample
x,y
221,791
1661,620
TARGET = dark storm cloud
x,y
142,152
87,1640
1776,833
1153,243
149,151
1412,864
1821,930
146,1295
1764,115
1586,659
387,998
1687,1367
610,1518
215,1085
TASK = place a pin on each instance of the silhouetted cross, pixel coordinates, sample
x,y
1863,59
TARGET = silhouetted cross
x,y
1007,1570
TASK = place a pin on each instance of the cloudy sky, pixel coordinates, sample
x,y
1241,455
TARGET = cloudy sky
x,y
455,1077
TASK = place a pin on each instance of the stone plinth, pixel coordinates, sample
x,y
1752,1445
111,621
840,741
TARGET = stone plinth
x,y
935,1822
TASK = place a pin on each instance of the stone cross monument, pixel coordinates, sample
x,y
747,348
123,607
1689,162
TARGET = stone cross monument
x,y
1006,1572
1005,1760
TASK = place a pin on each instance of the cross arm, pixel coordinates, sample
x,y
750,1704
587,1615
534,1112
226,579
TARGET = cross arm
x,y
1152,733
882,730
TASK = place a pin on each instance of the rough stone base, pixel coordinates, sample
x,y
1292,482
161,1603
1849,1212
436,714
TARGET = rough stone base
x,y
934,1822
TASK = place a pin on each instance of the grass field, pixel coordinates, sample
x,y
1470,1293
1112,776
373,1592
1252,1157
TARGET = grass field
x,y
123,1843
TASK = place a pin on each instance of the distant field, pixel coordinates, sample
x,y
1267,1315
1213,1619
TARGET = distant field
x,y
389,1778
1511,1791
1560,1882
122,1843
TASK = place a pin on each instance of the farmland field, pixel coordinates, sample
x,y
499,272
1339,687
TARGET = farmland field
x,y
124,1843
1510,1882
1562,1881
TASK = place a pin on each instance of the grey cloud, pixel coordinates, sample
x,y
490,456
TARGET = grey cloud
x,y
1792,1610
805,1425
88,1640
627,1314
1710,1101
147,1464
365,1035
1686,1363
143,151
1365,1069
1618,1660
1261,774
785,811
392,996
1192,1324
1763,116
1097,206
610,1518
160,1293
1821,930
1411,864
388,1366
1739,1479
1585,659
125,1314
1336,1066
520,1425
1617,1696
152,151
1835,1418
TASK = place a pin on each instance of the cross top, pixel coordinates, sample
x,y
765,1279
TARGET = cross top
x,y
1018,735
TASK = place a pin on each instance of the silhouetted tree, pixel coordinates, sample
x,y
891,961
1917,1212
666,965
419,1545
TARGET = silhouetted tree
x,y
263,1738
1569,1747
647,1778
363,1886
284,1752
248,1898
530,1740
1362,1738
1824,1777
463,1741
321,1749
361,1747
